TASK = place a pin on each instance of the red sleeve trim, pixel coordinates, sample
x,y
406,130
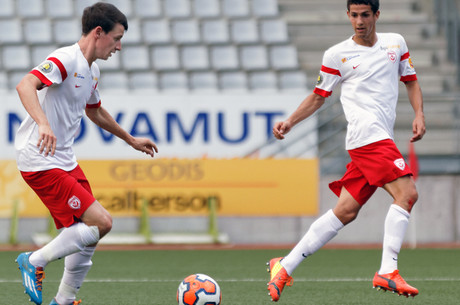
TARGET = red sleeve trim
x,y
405,56
408,78
330,71
61,67
94,105
41,77
322,92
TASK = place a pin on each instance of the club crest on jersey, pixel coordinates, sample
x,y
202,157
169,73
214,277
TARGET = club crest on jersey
x,y
400,163
46,67
392,56
74,202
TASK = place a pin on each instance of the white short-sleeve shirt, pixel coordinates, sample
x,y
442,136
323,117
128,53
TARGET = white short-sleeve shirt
x,y
70,87
369,77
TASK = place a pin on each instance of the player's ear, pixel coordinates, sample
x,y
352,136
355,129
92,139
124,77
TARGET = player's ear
x,y
98,32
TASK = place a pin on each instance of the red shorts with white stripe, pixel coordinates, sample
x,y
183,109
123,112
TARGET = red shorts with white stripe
x,y
371,166
67,195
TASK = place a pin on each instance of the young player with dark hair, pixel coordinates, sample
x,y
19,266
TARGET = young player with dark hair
x,y
368,66
55,95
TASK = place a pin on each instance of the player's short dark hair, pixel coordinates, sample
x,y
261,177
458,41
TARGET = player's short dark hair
x,y
101,14
373,3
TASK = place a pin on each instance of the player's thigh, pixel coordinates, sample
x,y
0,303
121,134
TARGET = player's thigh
x,y
97,215
347,207
403,191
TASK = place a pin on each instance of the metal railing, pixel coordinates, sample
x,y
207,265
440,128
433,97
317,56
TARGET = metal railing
x,y
448,21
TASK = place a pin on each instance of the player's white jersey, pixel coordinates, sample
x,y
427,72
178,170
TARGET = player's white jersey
x,y
71,85
369,78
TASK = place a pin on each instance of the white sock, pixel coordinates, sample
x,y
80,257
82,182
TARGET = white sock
x,y
70,240
321,231
395,228
76,268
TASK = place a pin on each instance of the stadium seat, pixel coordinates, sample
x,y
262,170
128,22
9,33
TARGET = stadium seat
x,y
59,8
293,80
177,8
186,31
274,31
113,80
174,81
40,53
3,81
80,5
135,57
67,31
113,64
143,81
15,77
29,8
284,57
16,57
215,31
263,80
206,8
11,31
133,35
233,81
195,57
235,8
254,57
244,31
37,31
265,8
165,58
156,31
124,6
204,81
148,8
224,57
7,8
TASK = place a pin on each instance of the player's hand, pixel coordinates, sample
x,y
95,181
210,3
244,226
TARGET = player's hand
x,y
46,140
145,145
418,128
280,129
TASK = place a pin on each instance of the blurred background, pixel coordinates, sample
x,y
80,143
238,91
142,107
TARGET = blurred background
x,y
206,80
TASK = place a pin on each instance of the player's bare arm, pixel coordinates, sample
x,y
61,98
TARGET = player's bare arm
x,y
308,106
104,120
27,91
416,99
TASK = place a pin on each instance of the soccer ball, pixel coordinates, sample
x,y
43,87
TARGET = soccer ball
x,y
198,289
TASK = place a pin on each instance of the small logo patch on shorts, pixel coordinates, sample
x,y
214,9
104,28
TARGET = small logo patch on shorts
x,y
400,163
74,202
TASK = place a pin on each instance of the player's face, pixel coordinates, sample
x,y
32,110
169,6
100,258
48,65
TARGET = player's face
x,y
363,21
109,43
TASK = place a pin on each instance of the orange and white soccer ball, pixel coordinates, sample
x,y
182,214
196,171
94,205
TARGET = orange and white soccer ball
x,y
199,289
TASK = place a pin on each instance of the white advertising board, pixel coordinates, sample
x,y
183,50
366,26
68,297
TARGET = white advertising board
x,y
182,126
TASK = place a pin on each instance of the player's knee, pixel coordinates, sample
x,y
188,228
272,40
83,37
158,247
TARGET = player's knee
x,y
105,225
411,198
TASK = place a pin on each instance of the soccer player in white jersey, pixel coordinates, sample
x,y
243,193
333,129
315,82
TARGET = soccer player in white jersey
x,y
55,95
368,65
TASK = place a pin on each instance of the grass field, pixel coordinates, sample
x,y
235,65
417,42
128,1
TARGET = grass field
x,y
328,277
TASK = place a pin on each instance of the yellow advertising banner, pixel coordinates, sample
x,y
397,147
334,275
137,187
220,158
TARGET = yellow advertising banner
x,y
172,187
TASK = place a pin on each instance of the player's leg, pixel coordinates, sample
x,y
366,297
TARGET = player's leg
x,y
320,232
405,195
76,267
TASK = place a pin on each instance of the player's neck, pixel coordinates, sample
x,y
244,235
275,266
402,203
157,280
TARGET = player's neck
x,y
87,49
367,41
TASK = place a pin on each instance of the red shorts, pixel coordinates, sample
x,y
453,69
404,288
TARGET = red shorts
x,y
371,166
67,195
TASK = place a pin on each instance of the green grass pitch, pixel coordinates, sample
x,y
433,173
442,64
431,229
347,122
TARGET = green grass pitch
x,y
331,276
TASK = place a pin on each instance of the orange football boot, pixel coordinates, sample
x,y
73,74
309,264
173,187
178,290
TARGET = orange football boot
x,y
278,278
394,282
